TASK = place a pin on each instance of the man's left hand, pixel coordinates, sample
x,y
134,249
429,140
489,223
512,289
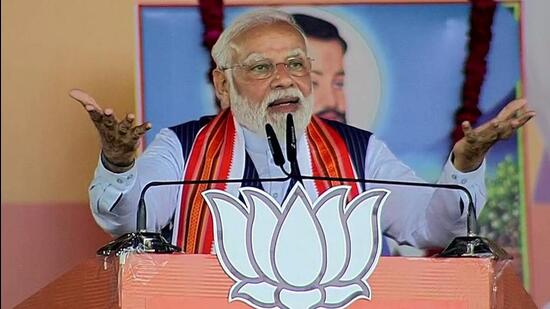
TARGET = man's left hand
x,y
470,150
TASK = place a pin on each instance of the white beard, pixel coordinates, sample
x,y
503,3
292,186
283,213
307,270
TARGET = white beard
x,y
254,116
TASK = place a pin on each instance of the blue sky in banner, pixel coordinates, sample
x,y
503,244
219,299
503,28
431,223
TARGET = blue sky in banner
x,y
420,50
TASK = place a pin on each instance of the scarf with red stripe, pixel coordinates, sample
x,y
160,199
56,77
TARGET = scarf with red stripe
x,y
218,152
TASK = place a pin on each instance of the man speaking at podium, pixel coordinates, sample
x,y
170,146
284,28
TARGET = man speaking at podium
x,y
263,73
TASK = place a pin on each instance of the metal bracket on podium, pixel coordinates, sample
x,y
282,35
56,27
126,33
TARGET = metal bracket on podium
x,y
141,242
475,246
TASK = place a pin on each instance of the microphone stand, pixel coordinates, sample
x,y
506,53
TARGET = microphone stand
x,y
143,241
470,245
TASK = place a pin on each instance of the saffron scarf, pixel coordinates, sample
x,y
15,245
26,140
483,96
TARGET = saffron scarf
x,y
218,153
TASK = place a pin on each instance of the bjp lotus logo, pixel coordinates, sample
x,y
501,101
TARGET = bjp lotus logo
x,y
300,254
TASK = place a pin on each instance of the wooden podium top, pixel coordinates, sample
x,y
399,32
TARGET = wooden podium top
x,y
198,281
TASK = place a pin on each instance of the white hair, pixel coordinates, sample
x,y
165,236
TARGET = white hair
x,y
221,51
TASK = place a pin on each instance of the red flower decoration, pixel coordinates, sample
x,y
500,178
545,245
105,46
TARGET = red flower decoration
x,y
475,67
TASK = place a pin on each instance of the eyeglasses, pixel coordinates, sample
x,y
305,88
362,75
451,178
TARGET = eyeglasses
x,y
262,69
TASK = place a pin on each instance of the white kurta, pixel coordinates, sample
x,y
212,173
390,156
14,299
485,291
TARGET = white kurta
x,y
421,217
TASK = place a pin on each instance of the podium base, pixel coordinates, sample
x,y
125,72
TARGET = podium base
x,y
475,246
141,242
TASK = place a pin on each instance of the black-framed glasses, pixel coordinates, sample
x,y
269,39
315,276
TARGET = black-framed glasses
x,y
262,69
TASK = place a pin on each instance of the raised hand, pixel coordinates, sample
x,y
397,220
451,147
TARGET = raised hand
x,y
472,148
119,139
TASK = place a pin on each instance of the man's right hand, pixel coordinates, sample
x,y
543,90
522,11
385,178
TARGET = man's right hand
x,y
119,139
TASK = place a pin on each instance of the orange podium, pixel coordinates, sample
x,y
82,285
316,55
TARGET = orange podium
x,y
198,281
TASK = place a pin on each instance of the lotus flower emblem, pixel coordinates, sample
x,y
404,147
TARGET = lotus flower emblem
x,y
299,254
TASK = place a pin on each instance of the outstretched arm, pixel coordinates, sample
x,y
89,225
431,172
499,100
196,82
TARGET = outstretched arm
x,y
432,217
470,151
119,178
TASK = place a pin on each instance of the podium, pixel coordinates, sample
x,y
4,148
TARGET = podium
x,y
198,281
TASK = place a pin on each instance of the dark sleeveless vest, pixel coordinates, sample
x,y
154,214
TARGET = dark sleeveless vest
x,y
356,140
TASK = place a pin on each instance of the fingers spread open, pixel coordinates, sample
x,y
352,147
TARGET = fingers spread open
x,y
95,115
125,125
526,116
511,109
107,127
138,131
109,119
522,119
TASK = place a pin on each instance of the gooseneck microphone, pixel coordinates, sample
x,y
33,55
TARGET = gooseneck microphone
x,y
470,245
291,151
145,241
142,210
472,221
153,241
275,148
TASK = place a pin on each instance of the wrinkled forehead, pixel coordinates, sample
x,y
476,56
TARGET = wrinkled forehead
x,y
274,41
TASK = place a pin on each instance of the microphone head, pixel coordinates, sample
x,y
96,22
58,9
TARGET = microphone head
x,y
290,138
274,146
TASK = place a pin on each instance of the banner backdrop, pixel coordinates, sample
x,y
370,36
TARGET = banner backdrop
x,y
401,79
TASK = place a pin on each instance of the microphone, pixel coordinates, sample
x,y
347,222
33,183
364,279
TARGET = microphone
x,y
153,242
275,148
291,149
471,245
145,241
291,152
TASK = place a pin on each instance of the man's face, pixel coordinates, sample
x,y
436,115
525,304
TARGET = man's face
x,y
327,75
255,102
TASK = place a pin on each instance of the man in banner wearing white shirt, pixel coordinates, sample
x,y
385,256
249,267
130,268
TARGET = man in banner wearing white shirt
x,y
263,73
